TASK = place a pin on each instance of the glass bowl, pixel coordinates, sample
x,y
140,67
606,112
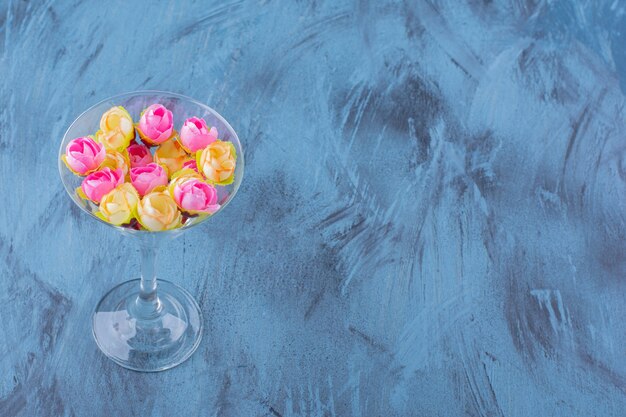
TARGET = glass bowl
x,y
139,324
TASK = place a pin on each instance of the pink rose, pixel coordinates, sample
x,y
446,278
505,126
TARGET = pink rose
x,y
190,164
97,184
156,124
83,155
194,135
194,196
139,155
147,178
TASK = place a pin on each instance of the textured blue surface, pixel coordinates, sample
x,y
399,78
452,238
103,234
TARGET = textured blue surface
x,y
432,222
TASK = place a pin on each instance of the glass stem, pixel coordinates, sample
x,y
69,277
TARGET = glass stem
x,y
148,303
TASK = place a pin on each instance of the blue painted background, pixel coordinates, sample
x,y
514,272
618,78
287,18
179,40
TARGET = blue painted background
x,y
432,221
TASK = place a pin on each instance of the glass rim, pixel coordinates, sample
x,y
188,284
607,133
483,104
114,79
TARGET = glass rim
x,y
134,232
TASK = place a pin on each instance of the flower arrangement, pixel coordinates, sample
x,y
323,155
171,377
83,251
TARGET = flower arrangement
x,y
146,175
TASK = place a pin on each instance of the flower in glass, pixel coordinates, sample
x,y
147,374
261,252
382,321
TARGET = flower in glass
x,y
156,124
116,160
139,155
83,155
193,195
217,162
99,183
195,134
171,155
147,178
158,211
116,129
119,205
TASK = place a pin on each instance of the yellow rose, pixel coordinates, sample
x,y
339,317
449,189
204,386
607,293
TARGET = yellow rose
x,y
217,162
116,129
157,211
170,155
119,206
114,160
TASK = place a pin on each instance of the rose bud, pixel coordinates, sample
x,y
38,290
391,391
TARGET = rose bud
x,y
157,211
195,135
139,155
119,205
171,155
217,162
190,164
83,155
147,178
99,183
116,160
193,195
156,124
116,129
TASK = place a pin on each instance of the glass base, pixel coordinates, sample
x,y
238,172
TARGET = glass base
x,y
147,342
